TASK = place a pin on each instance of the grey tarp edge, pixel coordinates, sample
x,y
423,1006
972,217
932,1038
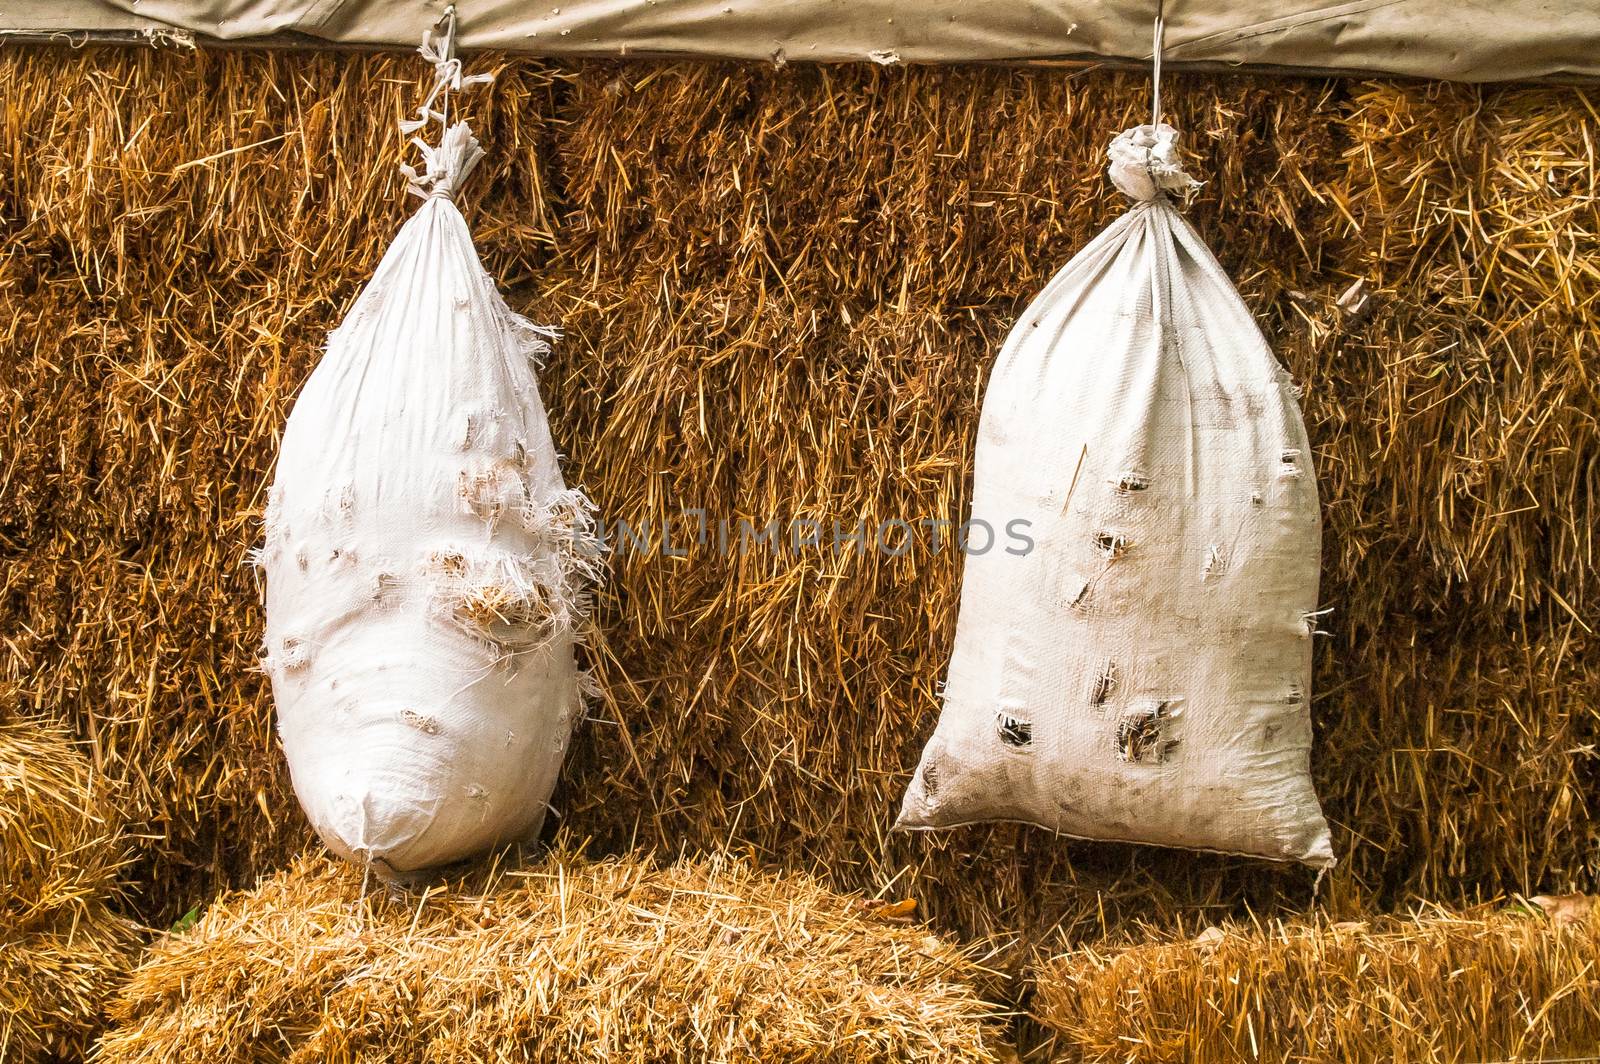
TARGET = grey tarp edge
x,y
1463,40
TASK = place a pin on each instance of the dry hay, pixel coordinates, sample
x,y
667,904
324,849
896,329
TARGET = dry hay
x,y
1508,985
619,960
63,945
782,291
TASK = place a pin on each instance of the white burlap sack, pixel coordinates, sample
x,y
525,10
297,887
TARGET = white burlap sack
x,y
1143,674
424,561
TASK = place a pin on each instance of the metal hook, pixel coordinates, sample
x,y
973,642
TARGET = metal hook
x,y
448,22
447,55
1155,91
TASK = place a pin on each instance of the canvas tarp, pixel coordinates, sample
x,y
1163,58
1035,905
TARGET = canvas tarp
x,y
1467,40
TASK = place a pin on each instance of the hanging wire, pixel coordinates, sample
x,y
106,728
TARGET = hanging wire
x,y
1155,80
449,55
439,49
446,162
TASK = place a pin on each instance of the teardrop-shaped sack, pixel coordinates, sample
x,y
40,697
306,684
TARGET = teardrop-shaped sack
x,y
425,563
1143,673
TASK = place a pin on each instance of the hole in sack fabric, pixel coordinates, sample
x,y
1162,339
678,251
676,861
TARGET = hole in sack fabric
x,y
424,724
384,586
1075,593
1216,563
293,652
1129,483
1141,734
1111,545
344,503
448,562
510,603
489,491
1014,732
930,777
1105,685
1289,464
513,613
1294,696
514,603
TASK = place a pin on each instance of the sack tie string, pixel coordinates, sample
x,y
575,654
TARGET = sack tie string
x,y
444,167
1144,160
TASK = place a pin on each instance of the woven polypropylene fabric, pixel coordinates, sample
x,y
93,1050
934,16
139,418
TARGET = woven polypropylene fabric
x,y
420,564
1142,673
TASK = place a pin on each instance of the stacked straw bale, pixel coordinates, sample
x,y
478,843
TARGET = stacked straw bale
x,y
567,961
63,944
782,291
1435,987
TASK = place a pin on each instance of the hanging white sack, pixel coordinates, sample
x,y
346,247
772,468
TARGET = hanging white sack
x,y
424,561
1143,674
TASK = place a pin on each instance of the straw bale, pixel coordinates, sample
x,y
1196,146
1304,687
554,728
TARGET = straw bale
x,y
782,290
1459,442
619,960
63,943
1502,983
